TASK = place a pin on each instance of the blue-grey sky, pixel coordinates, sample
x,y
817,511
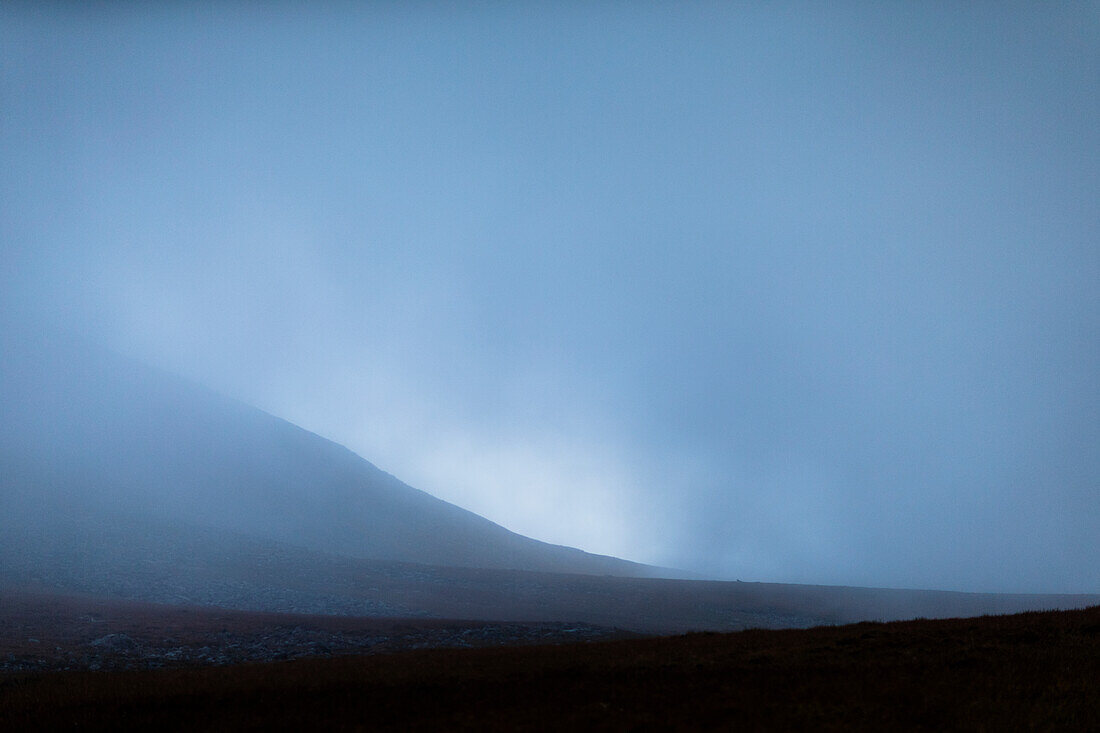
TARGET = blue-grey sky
x,y
780,292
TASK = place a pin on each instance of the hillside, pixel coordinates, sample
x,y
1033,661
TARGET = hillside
x,y
119,481
87,433
169,563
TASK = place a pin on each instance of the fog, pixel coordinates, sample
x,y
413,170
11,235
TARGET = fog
x,y
796,294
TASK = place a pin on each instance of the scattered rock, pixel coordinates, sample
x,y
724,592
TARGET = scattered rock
x,y
115,642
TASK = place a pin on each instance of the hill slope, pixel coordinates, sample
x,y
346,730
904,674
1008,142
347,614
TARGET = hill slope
x,y
86,432
117,480
174,564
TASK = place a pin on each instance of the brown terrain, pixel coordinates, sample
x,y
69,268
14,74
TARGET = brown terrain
x,y
42,631
1038,670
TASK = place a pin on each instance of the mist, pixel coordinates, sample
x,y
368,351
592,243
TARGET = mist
x,y
798,295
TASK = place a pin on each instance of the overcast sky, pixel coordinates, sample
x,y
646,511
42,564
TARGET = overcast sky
x,y
792,293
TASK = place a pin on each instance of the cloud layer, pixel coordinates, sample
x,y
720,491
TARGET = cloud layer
x,y
804,296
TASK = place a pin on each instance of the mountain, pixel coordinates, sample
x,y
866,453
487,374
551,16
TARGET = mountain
x,y
88,433
120,481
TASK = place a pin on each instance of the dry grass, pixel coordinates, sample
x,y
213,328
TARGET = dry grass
x,y
47,631
1027,671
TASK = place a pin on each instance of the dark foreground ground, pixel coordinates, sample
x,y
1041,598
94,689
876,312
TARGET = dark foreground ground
x,y
41,631
1027,671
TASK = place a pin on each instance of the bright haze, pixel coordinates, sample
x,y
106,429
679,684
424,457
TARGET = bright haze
x,y
793,293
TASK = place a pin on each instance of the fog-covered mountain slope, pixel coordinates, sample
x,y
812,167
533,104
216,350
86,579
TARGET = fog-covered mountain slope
x,y
118,480
85,431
